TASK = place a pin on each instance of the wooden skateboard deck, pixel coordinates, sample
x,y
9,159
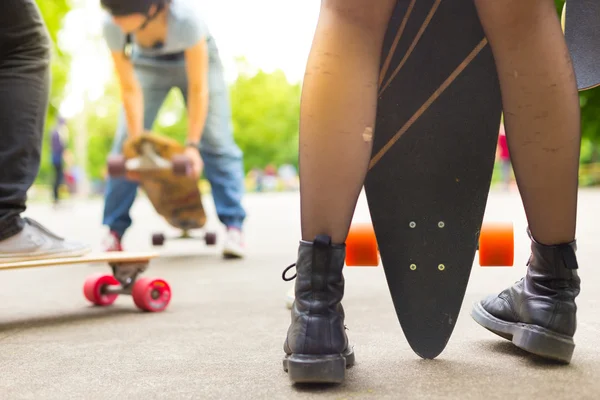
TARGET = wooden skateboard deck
x,y
435,138
149,294
581,24
176,197
116,257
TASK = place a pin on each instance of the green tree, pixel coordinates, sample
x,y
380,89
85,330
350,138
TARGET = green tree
x,y
53,13
265,110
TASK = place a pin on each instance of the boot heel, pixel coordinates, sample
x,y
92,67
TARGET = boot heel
x,y
315,369
545,343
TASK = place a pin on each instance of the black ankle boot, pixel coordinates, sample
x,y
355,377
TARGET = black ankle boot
x,y
538,313
316,347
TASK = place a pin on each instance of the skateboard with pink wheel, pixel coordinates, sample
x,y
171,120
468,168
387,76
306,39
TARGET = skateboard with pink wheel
x,y
149,294
164,173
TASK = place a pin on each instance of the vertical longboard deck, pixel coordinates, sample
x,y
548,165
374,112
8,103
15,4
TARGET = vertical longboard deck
x,y
176,198
581,24
435,137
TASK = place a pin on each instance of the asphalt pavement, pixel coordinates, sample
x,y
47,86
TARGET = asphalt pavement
x,y
222,335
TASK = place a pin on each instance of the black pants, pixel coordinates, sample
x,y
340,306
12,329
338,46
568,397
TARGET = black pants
x,y
24,90
58,180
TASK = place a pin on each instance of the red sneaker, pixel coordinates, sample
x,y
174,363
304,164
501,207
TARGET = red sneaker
x,y
112,242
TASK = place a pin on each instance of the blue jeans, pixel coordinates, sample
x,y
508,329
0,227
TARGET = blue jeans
x,y
223,159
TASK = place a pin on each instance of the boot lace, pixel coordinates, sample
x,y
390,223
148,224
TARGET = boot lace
x,y
285,272
285,278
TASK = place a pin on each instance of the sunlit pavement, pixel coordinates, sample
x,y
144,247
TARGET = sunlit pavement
x,y
222,336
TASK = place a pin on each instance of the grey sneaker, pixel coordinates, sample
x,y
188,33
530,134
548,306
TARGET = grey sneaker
x,y
234,244
35,242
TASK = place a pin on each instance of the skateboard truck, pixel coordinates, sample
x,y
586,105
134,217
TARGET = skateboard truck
x,y
210,238
126,275
148,160
495,245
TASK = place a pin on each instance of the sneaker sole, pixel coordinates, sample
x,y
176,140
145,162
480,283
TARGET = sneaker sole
x,y
531,338
302,368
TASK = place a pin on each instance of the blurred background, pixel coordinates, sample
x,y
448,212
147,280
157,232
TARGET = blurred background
x,y
263,44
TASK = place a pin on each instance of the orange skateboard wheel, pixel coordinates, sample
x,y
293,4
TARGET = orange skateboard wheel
x,y
496,244
361,246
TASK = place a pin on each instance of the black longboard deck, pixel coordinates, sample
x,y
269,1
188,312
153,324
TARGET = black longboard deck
x,y
435,137
581,25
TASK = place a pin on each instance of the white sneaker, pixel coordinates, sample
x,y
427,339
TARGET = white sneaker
x,y
234,244
35,242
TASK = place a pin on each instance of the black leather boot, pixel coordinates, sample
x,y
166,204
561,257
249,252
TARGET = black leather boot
x,y
538,313
316,347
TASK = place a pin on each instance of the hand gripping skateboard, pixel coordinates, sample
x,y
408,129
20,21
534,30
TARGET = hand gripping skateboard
x,y
165,175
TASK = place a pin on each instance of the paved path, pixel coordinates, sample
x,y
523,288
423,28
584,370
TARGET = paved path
x,y
222,336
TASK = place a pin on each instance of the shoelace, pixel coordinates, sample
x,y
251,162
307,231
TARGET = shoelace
x,y
294,277
286,270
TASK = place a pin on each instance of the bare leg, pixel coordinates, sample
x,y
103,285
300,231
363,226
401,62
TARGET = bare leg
x,y
337,120
541,111
337,113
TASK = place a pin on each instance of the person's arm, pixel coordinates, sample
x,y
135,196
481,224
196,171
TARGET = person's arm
x,y
197,73
131,94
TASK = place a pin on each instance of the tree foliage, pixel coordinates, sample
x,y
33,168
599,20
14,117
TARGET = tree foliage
x,y
53,13
265,111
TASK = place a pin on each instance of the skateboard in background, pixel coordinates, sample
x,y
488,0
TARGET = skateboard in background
x,y
164,173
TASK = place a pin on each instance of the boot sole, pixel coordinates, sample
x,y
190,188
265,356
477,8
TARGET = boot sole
x,y
531,338
303,368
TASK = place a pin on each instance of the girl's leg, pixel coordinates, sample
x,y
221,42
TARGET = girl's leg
x,y
337,114
336,126
541,113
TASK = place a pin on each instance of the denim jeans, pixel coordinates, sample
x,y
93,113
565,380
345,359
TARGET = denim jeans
x,y
24,91
223,159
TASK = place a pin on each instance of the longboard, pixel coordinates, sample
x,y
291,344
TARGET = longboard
x,y
581,24
438,118
164,174
149,294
